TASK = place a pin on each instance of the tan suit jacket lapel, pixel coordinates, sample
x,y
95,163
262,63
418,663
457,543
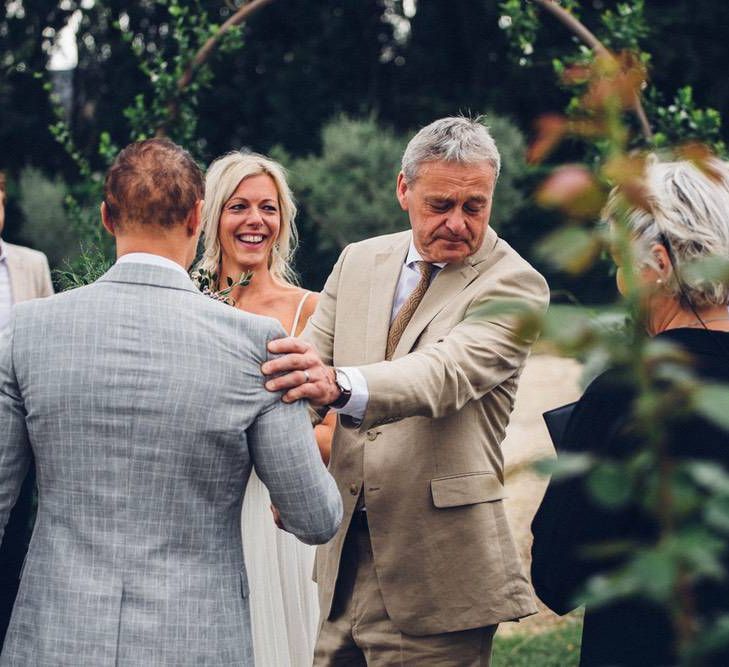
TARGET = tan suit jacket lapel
x,y
449,282
386,268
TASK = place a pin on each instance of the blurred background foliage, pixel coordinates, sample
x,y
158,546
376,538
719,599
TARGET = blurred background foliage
x,y
309,78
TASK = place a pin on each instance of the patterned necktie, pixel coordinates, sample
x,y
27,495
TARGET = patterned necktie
x,y
408,308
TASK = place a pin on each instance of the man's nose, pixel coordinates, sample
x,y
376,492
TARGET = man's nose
x,y
456,223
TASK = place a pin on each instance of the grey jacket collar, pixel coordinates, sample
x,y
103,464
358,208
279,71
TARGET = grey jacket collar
x,y
148,274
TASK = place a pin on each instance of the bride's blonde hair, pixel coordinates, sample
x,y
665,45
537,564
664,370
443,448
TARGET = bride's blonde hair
x,y
223,177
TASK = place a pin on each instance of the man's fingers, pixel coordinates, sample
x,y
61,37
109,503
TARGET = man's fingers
x,y
291,380
307,391
288,345
290,362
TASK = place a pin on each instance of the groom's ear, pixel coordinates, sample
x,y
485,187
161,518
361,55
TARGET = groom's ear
x,y
193,223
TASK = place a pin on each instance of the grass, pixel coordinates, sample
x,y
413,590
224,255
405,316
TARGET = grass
x,y
559,647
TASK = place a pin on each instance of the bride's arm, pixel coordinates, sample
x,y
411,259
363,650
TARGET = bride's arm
x,y
323,433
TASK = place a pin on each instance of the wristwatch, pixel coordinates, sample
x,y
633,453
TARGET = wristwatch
x,y
345,387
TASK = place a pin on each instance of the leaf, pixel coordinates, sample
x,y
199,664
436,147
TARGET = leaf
x,y
565,466
574,190
570,249
708,269
701,157
711,400
710,476
716,514
551,129
609,485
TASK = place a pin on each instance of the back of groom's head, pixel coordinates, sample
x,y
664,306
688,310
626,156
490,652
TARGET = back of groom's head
x,y
152,182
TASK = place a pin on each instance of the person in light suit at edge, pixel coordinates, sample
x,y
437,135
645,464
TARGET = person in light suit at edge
x,y
24,275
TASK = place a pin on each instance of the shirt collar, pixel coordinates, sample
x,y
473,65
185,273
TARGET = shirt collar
x,y
414,256
150,258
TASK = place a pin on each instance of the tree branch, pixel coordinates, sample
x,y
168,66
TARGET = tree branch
x,y
204,52
211,44
582,32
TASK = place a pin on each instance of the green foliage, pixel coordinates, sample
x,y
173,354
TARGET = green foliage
x,y
521,22
349,189
559,647
89,266
47,226
681,121
622,28
625,27
509,196
207,283
172,107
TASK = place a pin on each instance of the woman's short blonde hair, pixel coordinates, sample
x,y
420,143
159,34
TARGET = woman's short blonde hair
x,y
223,177
688,212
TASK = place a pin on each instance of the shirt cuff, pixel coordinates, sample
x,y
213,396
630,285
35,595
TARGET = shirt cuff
x,y
357,404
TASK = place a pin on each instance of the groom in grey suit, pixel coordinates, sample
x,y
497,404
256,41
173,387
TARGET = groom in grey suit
x,y
144,406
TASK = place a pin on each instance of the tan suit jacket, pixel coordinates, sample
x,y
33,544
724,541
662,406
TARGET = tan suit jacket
x,y
30,277
428,450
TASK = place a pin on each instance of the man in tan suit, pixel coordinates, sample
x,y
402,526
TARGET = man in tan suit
x,y
424,566
24,275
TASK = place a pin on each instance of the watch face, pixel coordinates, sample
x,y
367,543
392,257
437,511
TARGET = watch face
x,y
343,381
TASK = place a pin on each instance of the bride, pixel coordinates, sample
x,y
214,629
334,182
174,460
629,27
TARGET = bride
x,y
248,225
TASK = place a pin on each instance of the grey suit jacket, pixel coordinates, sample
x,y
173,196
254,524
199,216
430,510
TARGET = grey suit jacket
x,y
144,405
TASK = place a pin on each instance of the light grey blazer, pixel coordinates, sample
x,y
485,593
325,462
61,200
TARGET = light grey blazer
x,y
144,405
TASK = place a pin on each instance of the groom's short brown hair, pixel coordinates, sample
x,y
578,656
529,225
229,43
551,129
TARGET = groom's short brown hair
x,y
152,182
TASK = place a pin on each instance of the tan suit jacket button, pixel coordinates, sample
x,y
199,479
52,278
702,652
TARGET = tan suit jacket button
x,y
372,435
353,489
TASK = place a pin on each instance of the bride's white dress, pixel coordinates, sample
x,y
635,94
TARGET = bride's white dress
x,y
283,600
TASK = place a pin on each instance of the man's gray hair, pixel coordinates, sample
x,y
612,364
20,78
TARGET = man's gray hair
x,y
689,214
453,139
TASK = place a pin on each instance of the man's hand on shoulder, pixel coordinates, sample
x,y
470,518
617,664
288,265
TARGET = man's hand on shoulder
x,y
300,372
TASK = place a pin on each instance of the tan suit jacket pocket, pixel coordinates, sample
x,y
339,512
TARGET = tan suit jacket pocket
x,y
466,489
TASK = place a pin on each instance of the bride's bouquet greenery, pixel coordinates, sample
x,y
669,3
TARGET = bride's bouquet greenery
x,y
207,283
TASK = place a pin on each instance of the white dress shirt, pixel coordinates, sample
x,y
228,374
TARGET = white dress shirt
x,y
409,278
154,260
6,292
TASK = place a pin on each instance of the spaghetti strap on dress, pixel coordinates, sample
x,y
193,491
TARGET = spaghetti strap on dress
x,y
297,316
283,598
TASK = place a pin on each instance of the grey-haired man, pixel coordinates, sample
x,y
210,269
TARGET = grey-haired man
x,y
424,566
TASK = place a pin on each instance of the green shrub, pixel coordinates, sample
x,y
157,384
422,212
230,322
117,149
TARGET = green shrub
x,y
46,225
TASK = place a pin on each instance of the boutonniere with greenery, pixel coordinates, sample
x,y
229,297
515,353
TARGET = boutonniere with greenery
x,y
207,283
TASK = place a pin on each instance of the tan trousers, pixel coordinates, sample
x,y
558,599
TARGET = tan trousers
x,y
360,633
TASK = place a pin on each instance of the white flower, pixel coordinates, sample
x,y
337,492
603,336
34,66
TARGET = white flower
x,y
528,49
504,21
